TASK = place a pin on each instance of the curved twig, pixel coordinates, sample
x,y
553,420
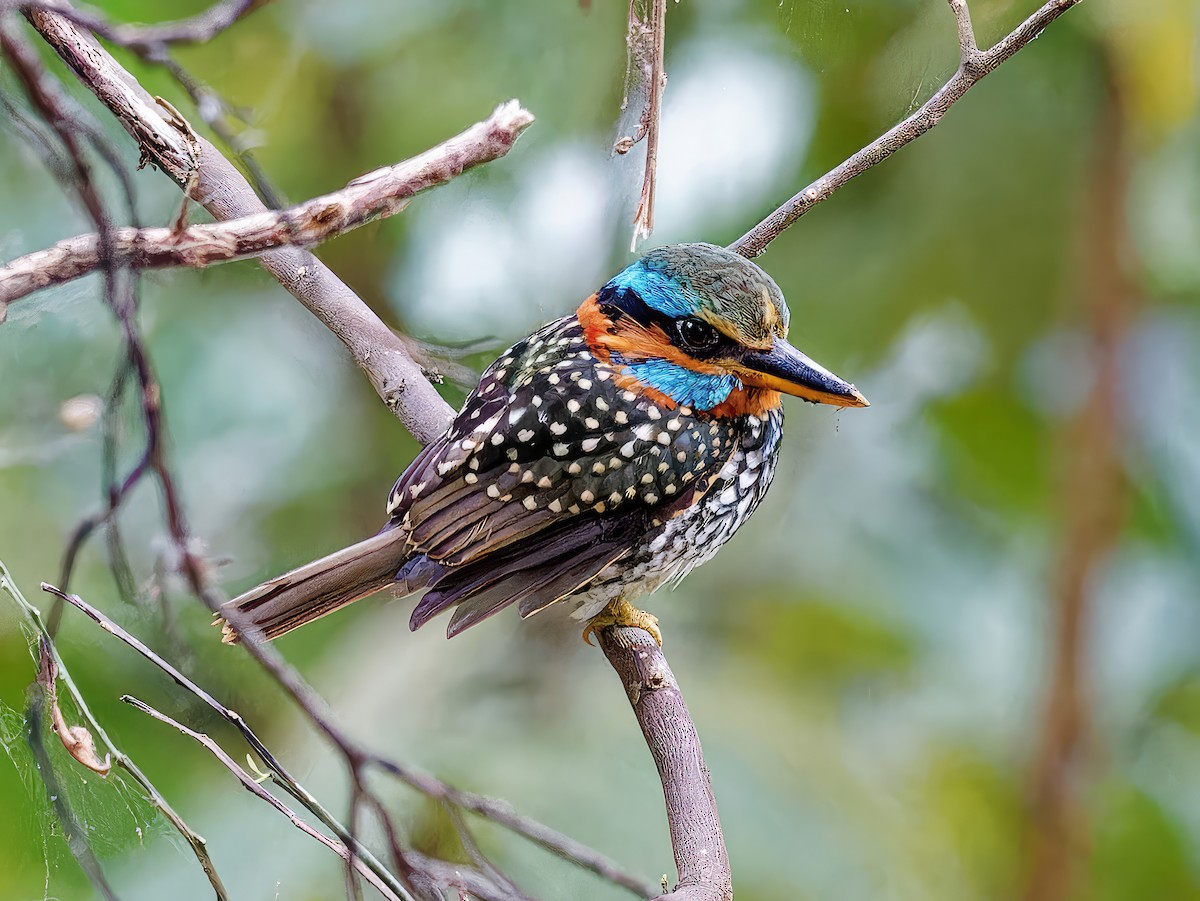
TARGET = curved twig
x,y
258,791
973,65
33,618
375,195
203,26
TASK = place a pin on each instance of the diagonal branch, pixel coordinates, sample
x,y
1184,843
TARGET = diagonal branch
x,y
226,194
973,65
258,791
696,838
376,195
497,811
204,26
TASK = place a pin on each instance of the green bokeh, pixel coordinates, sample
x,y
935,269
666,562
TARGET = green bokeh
x,y
867,660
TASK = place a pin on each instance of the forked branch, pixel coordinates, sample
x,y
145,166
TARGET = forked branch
x,y
376,195
973,65
197,166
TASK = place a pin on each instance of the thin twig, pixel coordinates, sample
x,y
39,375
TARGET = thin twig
x,y
968,49
214,109
502,813
499,812
477,857
258,791
33,619
197,29
643,219
376,195
973,66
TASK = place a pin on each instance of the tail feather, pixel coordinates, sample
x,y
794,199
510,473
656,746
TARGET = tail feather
x,y
315,589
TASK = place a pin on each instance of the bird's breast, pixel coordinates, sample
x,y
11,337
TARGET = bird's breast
x,y
670,552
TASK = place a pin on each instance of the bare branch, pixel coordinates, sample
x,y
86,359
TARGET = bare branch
x,y
197,29
258,791
224,192
195,841
499,812
649,125
376,195
502,813
967,47
700,855
973,66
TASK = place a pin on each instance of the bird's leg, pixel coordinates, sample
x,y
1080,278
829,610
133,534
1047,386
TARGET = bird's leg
x,y
622,613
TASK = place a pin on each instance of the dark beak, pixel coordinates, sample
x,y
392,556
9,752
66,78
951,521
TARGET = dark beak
x,y
783,368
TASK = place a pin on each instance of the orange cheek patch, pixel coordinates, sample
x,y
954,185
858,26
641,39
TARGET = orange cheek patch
x,y
595,326
634,341
748,402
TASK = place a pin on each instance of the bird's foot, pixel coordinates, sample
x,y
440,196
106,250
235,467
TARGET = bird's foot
x,y
622,613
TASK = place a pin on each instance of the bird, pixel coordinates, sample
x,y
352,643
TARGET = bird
x,y
610,452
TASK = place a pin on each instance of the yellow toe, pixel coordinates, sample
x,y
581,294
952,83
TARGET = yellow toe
x,y
621,613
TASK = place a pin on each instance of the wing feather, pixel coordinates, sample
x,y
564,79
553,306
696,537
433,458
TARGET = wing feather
x,y
551,472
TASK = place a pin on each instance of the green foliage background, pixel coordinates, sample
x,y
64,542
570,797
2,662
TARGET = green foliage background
x,y
867,661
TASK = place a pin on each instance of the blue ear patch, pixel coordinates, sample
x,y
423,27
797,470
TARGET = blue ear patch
x,y
658,291
699,390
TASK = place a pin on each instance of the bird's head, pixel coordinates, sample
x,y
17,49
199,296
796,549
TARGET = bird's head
x,y
705,327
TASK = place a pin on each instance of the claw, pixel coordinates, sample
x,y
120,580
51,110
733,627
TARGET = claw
x,y
621,613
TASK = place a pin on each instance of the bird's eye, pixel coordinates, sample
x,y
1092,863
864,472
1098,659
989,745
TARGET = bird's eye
x,y
696,334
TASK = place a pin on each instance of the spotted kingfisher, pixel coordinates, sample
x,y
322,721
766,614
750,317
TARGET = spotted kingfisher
x,y
607,453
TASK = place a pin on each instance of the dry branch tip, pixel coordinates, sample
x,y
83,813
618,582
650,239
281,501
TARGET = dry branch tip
x,y
77,740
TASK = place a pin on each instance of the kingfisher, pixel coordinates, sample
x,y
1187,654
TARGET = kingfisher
x,y
610,452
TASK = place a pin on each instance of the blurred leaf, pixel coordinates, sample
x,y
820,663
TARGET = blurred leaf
x,y
996,451
433,832
1140,852
974,807
823,643
1179,702
1154,53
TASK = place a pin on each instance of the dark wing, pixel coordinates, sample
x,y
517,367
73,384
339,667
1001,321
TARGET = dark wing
x,y
551,473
